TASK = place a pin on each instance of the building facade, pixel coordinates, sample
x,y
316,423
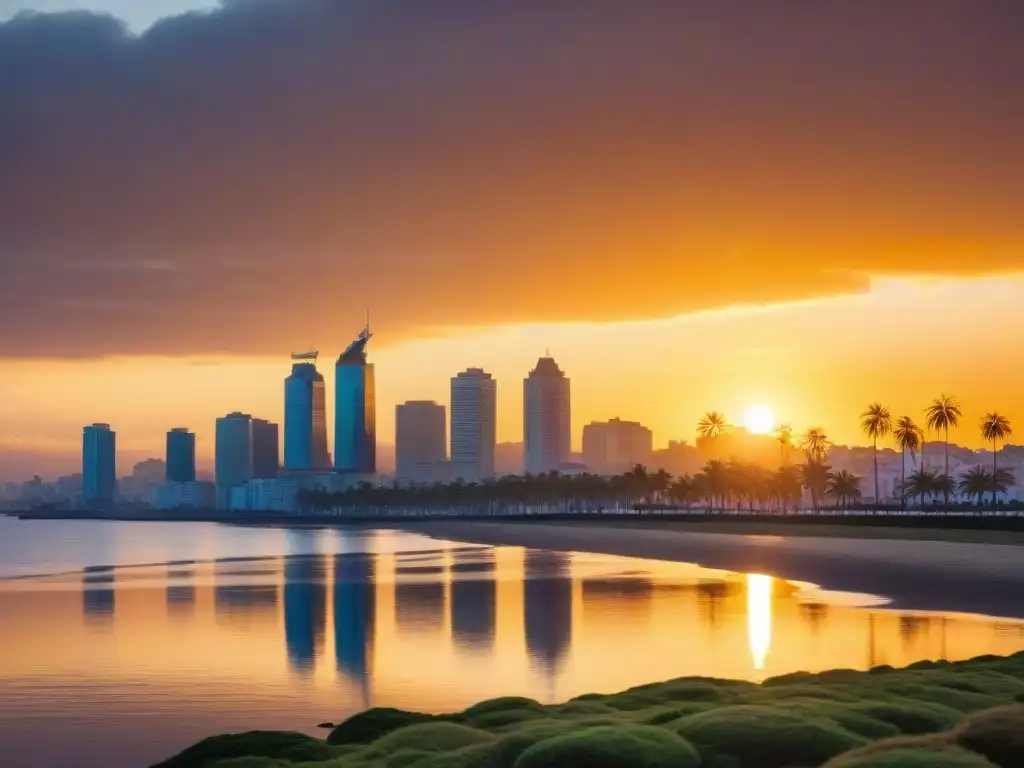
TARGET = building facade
x,y
99,470
181,456
616,446
305,419
266,450
473,418
546,417
355,410
233,462
421,435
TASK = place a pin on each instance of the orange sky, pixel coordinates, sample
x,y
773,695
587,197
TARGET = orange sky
x,y
816,362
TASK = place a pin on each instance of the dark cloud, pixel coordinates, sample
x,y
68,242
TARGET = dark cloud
x,y
245,180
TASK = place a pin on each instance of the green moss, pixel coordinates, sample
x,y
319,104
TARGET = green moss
x,y
498,720
431,737
911,717
282,745
503,704
630,746
998,734
762,737
251,761
915,758
371,724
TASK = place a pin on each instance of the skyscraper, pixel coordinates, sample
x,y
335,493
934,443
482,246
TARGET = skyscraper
x,y
233,462
616,446
265,449
546,417
355,412
473,416
305,416
420,432
99,474
181,456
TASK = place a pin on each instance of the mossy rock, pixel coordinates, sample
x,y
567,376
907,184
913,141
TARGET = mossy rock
x,y
577,708
502,704
369,725
842,715
958,699
253,761
998,734
510,746
911,717
628,746
667,713
764,737
477,756
431,737
498,720
280,745
914,758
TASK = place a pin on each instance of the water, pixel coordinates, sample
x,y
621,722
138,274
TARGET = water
x,y
126,642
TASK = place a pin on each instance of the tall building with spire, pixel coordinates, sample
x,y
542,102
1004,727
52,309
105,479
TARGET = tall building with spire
x,y
473,417
305,416
546,417
355,410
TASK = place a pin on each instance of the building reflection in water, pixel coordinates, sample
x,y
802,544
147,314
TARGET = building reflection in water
x,y
305,609
759,617
419,594
815,614
243,591
354,614
547,607
474,595
711,596
180,594
98,593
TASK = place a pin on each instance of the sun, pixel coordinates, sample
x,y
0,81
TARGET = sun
x,y
759,420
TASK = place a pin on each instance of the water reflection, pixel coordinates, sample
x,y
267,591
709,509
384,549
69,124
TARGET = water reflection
x,y
305,609
355,602
547,607
474,593
180,591
434,630
759,617
98,596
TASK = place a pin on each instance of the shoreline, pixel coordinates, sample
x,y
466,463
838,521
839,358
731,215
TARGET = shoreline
x,y
927,575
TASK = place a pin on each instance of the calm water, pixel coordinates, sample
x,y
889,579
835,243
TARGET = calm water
x,y
126,642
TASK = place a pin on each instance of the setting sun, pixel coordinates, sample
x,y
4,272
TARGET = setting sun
x,y
759,419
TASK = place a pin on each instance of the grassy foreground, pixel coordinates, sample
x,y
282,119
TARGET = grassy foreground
x,y
931,714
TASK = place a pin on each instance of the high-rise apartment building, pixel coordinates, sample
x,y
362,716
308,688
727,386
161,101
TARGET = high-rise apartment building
x,y
355,410
305,417
420,439
266,449
180,461
99,455
546,417
616,446
473,419
233,464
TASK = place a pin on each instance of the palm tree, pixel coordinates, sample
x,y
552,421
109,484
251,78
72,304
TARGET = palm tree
x,y
712,426
785,485
785,438
909,437
843,486
995,427
876,422
815,444
975,482
716,482
814,476
943,413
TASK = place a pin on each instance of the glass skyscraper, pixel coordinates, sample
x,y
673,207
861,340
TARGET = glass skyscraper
x,y
305,419
99,474
181,456
355,411
233,463
266,450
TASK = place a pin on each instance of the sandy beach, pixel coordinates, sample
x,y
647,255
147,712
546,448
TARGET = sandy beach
x,y
915,575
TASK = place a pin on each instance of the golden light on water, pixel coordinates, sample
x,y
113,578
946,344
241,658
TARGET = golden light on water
x,y
759,419
759,617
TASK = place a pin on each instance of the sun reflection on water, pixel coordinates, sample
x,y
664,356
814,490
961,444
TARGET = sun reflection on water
x,y
759,617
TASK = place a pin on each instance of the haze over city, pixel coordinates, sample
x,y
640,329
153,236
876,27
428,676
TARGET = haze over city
x,y
687,229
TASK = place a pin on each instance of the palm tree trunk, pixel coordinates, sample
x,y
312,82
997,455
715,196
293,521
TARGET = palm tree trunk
x,y
994,470
903,477
945,490
874,452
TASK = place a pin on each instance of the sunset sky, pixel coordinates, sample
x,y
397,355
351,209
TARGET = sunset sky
x,y
693,205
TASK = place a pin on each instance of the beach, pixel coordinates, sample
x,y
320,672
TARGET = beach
x,y
961,576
